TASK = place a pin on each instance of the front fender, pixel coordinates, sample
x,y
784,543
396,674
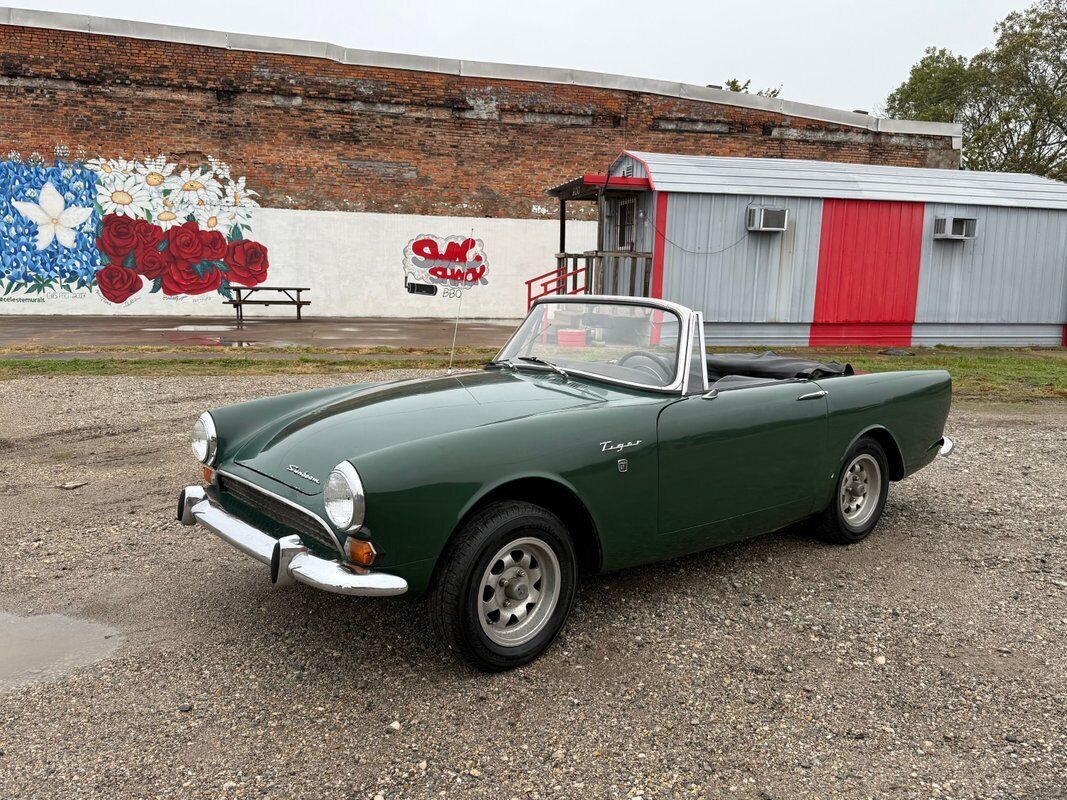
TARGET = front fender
x,y
418,492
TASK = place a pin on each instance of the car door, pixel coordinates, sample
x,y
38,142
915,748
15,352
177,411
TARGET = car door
x,y
740,461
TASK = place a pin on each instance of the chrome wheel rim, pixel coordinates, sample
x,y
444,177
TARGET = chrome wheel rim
x,y
518,591
861,489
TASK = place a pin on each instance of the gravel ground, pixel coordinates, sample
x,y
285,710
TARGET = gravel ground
x,y
928,661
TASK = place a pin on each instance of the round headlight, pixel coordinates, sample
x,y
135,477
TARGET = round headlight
x,y
343,497
204,440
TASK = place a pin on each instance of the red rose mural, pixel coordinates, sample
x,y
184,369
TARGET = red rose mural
x,y
181,230
152,263
247,262
212,245
118,284
181,277
117,237
148,236
183,242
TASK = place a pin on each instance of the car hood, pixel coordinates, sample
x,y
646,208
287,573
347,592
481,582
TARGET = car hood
x,y
300,448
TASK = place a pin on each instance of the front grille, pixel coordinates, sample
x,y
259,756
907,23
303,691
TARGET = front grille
x,y
281,514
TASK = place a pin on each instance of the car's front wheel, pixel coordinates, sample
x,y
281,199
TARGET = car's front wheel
x,y
506,587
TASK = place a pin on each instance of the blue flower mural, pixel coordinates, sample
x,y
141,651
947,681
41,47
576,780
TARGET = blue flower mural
x,y
29,192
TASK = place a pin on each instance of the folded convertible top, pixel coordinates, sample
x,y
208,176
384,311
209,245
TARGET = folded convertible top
x,y
772,365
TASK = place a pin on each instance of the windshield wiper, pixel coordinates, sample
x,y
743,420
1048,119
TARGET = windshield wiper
x,y
504,363
549,364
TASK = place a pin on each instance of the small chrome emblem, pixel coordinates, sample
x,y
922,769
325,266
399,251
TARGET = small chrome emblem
x,y
293,468
623,465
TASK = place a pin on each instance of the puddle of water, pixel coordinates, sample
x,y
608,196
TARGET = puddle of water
x,y
47,647
195,328
209,341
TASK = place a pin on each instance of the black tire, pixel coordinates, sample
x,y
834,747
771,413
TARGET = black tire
x,y
834,525
456,595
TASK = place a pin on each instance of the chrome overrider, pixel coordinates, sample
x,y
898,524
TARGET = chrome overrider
x,y
287,557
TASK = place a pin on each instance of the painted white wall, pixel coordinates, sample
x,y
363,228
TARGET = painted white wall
x,y
353,264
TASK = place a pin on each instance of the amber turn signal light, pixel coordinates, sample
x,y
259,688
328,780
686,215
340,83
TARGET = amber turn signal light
x,y
209,475
360,551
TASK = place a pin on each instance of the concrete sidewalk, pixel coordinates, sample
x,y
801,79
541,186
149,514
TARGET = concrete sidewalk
x,y
222,332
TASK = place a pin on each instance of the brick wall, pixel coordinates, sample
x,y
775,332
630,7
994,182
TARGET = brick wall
x,y
316,134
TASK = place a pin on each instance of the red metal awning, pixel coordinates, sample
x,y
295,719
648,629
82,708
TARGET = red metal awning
x,y
588,186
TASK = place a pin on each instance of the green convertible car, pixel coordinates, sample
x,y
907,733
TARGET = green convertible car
x,y
600,437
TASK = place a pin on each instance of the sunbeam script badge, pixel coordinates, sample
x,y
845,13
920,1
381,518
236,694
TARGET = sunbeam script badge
x,y
293,468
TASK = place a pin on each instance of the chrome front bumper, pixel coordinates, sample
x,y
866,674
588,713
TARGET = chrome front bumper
x,y
287,557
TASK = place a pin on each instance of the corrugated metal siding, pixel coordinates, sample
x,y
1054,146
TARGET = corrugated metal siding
x,y
712,263
868,261
628,165
796,178
767,334
964,334
1015,270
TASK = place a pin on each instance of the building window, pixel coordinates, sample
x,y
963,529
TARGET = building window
x,y
626,227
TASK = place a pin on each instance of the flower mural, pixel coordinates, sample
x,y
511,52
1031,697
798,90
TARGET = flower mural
x,y
52,218
125,226
67,263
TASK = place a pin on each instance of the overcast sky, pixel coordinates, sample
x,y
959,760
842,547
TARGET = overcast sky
x,y
847,55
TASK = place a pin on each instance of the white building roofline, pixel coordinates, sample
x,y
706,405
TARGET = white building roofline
x,y
476,69
787,177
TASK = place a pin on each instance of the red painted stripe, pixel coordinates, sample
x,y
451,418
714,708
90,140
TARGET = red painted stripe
x,y
868,272
617,182
659,245
885,334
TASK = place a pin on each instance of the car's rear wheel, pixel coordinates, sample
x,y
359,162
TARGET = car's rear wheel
x,y
860,494
506,587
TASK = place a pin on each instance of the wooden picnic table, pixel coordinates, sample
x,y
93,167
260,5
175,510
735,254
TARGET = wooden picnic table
x,y
282,296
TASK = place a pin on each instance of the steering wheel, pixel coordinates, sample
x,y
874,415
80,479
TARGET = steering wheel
x,y
652,364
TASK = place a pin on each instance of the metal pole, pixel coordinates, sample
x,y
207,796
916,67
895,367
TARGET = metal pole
x,y
562,225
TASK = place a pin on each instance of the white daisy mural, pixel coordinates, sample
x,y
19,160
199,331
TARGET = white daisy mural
x,y
157,173
123,193
197,187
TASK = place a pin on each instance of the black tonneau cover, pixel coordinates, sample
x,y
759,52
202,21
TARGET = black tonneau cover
x,y
772,366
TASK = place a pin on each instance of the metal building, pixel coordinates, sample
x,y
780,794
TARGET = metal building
x,y
777,251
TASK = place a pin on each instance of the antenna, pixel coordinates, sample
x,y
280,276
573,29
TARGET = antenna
x,y
455,330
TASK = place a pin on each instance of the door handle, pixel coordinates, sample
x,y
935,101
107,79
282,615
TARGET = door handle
x,y
813,395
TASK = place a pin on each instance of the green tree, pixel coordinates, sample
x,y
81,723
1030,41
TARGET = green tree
x,y
934,91
734,85
1011,99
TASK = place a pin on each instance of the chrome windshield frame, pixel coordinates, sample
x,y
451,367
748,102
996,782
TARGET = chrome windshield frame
x,y
685,334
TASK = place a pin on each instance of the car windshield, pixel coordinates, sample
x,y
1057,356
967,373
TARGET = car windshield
x,y
621,342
